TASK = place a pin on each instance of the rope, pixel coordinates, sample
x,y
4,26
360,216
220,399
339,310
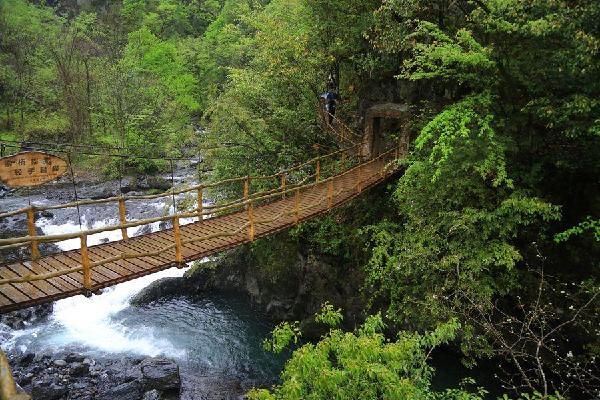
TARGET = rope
x,y
89,153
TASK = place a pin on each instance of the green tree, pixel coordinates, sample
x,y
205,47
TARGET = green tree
x,y
361,364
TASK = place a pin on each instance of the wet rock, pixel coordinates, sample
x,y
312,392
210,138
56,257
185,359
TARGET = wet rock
x,y
60,363
160,289
79,369
154,182
104,194
88,361
4,190
74,357
79,385
144,183
26,379
132,373
144,230
280,309
164,225
48,391
26,359
126,391
23,318
45,214
161,374
252,287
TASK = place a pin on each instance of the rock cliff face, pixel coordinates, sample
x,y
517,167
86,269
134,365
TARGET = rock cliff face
x,y
296,294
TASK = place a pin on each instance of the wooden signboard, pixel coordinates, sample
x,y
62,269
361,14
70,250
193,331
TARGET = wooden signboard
x,y
31,168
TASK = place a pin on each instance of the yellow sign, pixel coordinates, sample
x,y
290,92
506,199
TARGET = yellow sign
x,y
31,168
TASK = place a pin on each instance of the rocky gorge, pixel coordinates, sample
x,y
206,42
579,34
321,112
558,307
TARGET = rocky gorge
x,y
310,280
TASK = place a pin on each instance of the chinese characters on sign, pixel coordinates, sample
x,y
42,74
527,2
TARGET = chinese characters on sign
x,y
31,168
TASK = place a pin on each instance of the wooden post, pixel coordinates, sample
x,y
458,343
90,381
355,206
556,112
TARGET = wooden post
x,y
177,235
251,222
200,208
8,387
358,179
85,263
123,217
247,189
283,185
297,207
318,173
35,251
330,194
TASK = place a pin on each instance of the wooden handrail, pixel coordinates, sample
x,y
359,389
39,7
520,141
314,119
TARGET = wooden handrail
x,y
170,192
19,241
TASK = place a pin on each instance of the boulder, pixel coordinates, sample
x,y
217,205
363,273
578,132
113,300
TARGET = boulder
x,y
160,374
79,369
158,290
60,363
126,391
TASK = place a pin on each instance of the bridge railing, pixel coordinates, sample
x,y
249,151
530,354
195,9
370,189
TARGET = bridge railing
x,y
288,178
248,202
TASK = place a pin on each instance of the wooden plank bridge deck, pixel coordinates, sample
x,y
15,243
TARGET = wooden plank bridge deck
x,y
268,219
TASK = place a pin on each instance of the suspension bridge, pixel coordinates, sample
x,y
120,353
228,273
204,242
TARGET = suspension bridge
x,y
267,204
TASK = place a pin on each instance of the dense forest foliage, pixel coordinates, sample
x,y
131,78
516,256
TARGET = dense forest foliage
x,y
489,240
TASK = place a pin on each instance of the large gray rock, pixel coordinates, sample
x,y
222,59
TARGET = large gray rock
x,y
161,289
160,374
126,391
79,369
